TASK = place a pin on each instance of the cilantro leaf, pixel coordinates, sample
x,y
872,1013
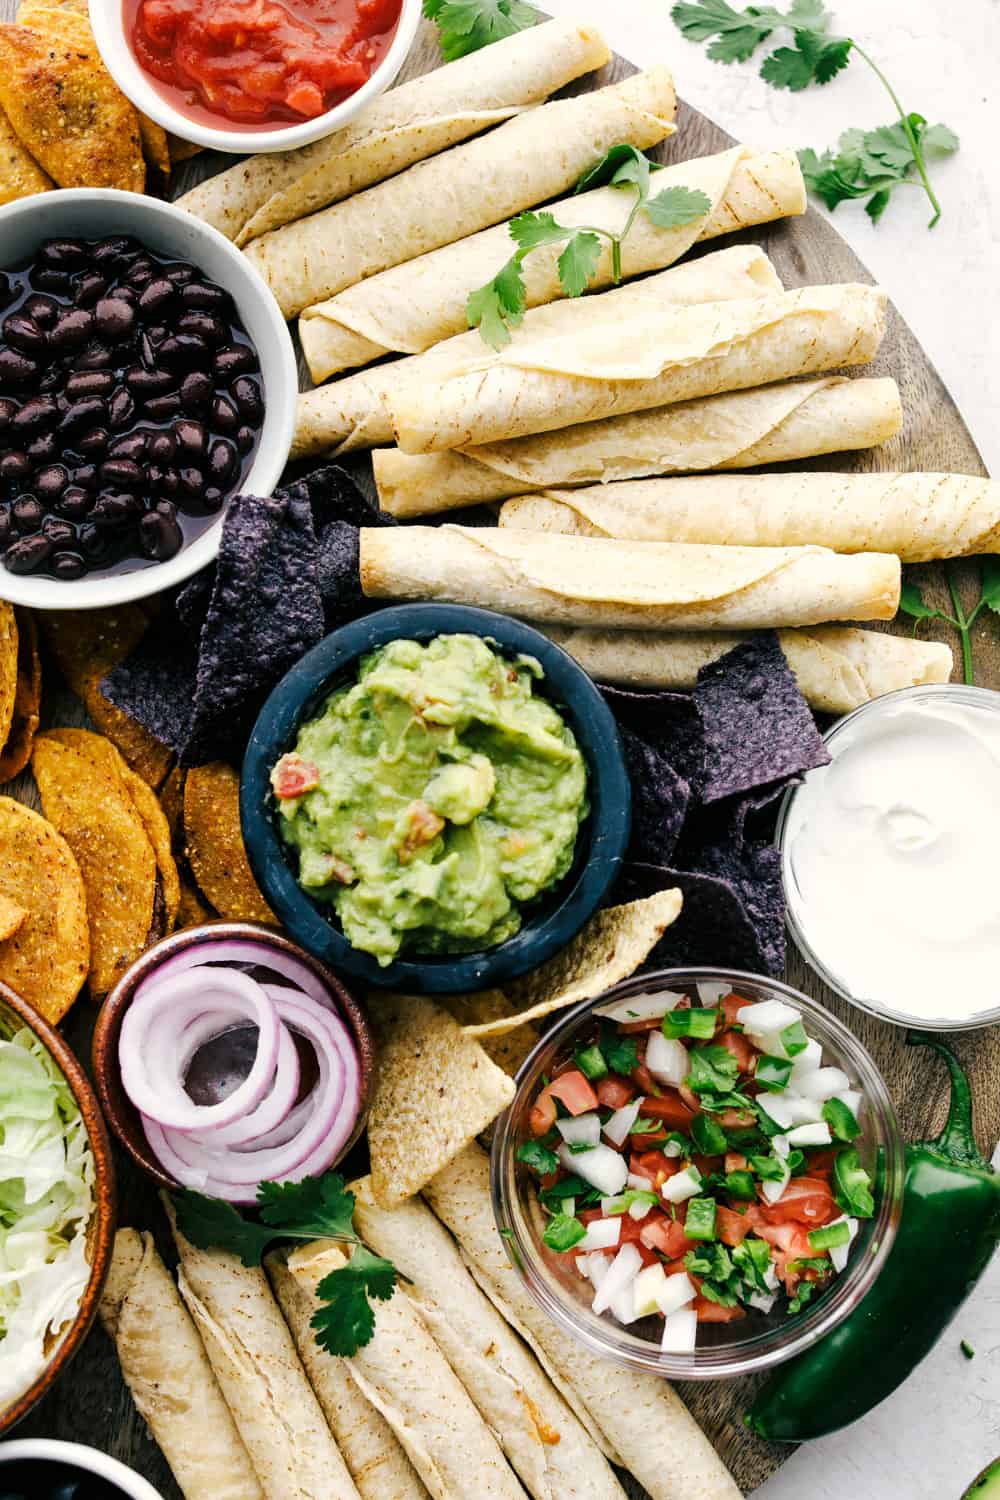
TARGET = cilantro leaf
x,y
538,1157
621,1053
578,262
813,59
677,206
872,164
345,1321
210,1224
621,165
563,1232
529,230
498,306
466,25
315,1208
911,602
713,1068
990,583
737,34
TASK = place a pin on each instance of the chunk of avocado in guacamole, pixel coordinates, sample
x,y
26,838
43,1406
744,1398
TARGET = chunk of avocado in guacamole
x,y
433,798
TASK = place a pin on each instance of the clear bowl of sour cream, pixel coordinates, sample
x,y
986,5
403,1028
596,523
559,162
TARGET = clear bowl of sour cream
x,y
888,858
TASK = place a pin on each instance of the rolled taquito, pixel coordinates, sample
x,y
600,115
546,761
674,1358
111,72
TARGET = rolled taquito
x,y
545,1444
266,1388
374,1455
411,307
920,517
644,1422
458,192
355,412
571,580
606,365
164,1365
836,667
739,430
404,1375
398,128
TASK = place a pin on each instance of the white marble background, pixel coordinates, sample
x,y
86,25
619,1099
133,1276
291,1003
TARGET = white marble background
x,y
933,1436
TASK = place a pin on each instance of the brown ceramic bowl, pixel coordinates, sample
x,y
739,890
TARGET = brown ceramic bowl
x,y
119,1110
101,1233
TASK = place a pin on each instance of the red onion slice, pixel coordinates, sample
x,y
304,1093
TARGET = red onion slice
x,y
245,951
275,1107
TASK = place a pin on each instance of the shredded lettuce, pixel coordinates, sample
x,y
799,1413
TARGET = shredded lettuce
x,y
46,1202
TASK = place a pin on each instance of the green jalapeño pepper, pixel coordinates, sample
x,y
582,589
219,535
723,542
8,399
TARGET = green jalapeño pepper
x,y
949,1228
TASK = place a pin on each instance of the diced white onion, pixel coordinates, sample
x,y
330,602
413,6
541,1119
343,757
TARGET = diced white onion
x,y
668,1061
638,1210
768,1016
672,1148
646,1290
601,1167
839,1253
584,1130
599,1265
788,1109
771,1278
773,1190
805,1063
780,1146
680,1331
638,1182
602,1234
640,1007
569,1207
623,1307
763,1302
582,1266
852,1099
824,1084
711,994
682,1185
617,1128
817,1134
677,1292
622,1272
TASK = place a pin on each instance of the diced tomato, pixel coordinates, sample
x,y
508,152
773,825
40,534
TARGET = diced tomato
x,y
574,1092
543,1114
731,1007
644,1081
821,1163
714,1312
791,1243
735,1162
648,1138
732,1228
614,1093
806,1200
706,1164
293,776
645,1164
669,1108
739,1047
666,1235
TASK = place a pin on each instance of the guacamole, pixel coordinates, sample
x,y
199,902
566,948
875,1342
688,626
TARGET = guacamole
x,y
433,798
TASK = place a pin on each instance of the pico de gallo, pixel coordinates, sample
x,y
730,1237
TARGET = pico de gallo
x,y
698,1162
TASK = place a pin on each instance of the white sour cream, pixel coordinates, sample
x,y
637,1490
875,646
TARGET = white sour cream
x,y
891,856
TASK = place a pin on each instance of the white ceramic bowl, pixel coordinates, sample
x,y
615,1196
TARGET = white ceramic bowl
x,y
90,1460
93,213
107,22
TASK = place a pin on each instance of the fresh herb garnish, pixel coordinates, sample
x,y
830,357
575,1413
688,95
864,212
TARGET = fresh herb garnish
x,y
912,603
541,1160
315,1208
708,1137
499,306
867,163
552,1198
563,1232
466,25
769,1168
804,1292
646,1127
852,1185
621,1053
712,1068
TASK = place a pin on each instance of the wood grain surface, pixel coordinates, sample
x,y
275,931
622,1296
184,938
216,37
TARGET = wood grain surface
x,y
91,1404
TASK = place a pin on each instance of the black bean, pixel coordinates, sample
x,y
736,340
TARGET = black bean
x,y
145,384
65,255
162,448
68,565
38,414
156,294
108,252
121,408
208,327
140,272
94,357
160,537
114,319
89,383
89,288
114,509
72,329
44,449
81,415
93,442
224,415
168,483
52,281
27,513
182,351
74,503
92,541
190,485
27,555
196,390
50,482
41,310
162,408
8,411
223,461
85,475
147,350
157,333
15,467
245,439
122,472
191,439
131,445
60,533
204,297
246,394
23,333
50,380
235,359
6,528
180,273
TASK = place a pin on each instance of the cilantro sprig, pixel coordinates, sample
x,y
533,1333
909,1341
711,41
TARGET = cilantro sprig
x,y
499,306
315,1208
466,25
912,603
867,164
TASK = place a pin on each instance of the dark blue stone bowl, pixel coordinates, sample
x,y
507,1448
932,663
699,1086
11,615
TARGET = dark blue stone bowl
x,y
551,921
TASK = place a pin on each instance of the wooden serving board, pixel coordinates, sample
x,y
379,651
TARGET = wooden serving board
x,y
91,1404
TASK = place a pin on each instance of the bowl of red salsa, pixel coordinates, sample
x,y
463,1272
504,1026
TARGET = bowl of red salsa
x,y
700,1174
253,75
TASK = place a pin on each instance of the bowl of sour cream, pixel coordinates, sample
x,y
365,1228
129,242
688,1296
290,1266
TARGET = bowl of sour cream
x,y
887,857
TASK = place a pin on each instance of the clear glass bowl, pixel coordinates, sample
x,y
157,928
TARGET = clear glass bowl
x,y
758,1341
982,699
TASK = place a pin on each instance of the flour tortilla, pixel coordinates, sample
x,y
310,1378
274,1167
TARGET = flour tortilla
x,y
568,580
165,1367
373,1454
642,1419
525,161
609,364
262,1379
404,126
738,430
404,1375
836,667
410,307
355,412
920,517
544,1442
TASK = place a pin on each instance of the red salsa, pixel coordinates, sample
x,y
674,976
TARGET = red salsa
x,y
259,63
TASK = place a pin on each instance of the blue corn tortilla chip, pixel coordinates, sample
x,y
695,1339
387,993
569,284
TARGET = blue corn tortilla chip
x,y
758,728
660,800
714,926
669,722
155,683
731,841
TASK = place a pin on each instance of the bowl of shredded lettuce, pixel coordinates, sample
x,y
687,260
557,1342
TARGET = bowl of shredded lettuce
x,y
57,1206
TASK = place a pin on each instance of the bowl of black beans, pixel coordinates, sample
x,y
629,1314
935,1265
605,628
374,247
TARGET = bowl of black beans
x,y
146,375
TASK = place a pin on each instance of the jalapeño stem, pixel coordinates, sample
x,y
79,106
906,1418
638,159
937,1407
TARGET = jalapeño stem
x,y
957,1140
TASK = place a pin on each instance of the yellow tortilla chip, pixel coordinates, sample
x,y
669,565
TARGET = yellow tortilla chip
x,y
508,1049
69,114
84,797
11,917
158,832
215,849
20,174
435,1090
182,150
607,950
8,668
192,911
171,796
47,957
16,753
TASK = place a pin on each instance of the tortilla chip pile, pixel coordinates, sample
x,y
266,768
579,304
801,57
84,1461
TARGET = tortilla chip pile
x,y
707,767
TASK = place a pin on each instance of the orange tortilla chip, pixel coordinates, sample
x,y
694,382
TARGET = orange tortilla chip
x,y
192,911
20,174
172,802
85,798
158,832
68,112
8,668
46,958
215,849
182,150
16,752
11,917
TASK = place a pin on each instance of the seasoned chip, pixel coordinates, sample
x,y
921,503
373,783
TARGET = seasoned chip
x,y
20,174
27,699
435,1091
607,950
192,911
8,668
215,844
154,820
68,112
172,802
11,917
47,957
507,1051
85,798
154,687
182,150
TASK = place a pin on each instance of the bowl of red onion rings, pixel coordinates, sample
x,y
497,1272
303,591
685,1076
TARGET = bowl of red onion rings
x,y
227,1056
